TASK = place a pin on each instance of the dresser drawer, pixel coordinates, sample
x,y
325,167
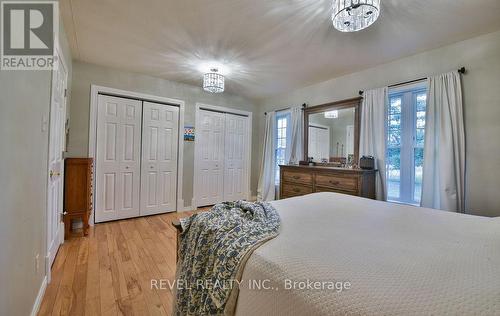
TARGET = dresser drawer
x,y
297,177
289,190
337,182
325,189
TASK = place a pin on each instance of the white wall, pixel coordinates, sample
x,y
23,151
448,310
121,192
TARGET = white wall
x,y
481,57
84,75
25,99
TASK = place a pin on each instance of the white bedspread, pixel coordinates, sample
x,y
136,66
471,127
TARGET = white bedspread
x,y
399,260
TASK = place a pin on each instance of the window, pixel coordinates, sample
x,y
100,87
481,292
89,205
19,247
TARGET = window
x,y
405,144
283,137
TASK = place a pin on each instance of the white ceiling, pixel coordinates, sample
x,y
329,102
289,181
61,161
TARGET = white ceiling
x,y
270,46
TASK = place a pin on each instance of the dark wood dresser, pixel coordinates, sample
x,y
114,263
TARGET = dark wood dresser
x,y
78,175
301,180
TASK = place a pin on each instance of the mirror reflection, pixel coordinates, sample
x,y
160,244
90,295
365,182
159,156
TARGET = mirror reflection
x,y
331,136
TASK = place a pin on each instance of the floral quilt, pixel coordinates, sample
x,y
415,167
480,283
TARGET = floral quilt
x,y
213,246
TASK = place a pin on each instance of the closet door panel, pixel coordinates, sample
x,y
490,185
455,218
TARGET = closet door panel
x,y
118,158
210,151
159,158
235,153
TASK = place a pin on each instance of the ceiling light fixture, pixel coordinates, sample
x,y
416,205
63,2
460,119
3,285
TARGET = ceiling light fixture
x,y
354,15
332,114
213,81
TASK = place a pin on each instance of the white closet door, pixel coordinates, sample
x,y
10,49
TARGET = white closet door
x,y
159,158
210,152
312,144
318,143
118,158
235,157
324,143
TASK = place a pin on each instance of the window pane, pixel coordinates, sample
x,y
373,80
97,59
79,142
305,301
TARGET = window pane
x,y
394,137
419,163
393,173
395,120
421,101
419,137
395,105
281,142
420,119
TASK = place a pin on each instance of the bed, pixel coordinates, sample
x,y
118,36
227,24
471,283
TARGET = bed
x,y
398,260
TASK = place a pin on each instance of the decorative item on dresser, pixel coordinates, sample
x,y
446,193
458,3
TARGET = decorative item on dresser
x,y
77,192
302,180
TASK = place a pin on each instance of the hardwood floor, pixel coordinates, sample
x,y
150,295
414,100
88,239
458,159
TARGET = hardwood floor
x,y
109,272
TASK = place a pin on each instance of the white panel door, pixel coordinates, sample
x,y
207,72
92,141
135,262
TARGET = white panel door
x,y
324,143
159,158
318,145
118,158
55,233
210,156
311,142
235,157
349,140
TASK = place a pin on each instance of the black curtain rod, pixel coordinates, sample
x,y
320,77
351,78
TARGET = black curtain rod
x,y
288,108
460,70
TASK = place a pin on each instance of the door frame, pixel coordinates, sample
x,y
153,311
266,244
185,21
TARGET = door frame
x,y
200,106
95,90
61,58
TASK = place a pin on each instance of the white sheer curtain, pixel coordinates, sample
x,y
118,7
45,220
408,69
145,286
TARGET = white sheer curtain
x,y
297,125
266,187
373,134
443,179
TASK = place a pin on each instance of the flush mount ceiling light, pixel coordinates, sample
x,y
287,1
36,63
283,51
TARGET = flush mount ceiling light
x,y
213,81
332,114
354,15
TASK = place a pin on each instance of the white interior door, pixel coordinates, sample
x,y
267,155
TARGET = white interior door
x,y
159,158
118,158
318,145
210,157
349,140
235,157
324,143
55,187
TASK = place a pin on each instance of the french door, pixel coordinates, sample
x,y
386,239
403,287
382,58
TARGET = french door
x,y
222,151
136,158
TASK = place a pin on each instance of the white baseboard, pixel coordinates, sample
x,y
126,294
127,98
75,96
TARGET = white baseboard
x,y
187,208
39,297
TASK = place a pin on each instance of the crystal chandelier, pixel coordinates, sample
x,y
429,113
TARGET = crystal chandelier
x,y
332,114
213,81
354,15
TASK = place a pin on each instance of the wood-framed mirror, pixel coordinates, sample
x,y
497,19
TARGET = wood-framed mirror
x,y
331,133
